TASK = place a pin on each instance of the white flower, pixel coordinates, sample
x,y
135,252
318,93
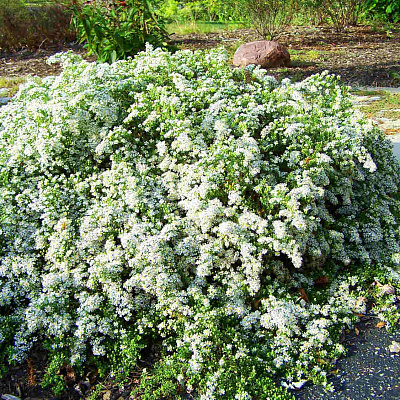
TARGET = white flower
x,y
160,197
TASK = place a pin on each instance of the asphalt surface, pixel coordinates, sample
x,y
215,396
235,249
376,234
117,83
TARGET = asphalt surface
x,y
395,139
368,371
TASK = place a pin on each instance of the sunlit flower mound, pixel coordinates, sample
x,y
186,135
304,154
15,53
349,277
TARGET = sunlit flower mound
x,y
171,202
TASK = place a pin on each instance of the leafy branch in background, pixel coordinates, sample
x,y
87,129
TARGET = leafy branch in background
x,y
388,8
207,10
343,13
115,30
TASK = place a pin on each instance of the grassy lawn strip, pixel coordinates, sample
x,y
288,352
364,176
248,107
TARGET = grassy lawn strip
x,y
388,106
11,84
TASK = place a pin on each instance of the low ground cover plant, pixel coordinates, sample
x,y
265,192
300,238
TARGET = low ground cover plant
x,y
221,224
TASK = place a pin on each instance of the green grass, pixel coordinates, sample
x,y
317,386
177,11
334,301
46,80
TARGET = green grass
x,y
388,101
366,92
388,106
201,27
302,58
11,84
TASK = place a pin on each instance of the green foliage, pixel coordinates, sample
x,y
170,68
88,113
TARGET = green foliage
x,y
8,327
389,9
201,27
115,30
95,393
227,370
52,378
395,77
205,10
340,13
122,354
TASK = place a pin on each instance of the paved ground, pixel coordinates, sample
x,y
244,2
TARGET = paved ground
x,y
369,371
396,147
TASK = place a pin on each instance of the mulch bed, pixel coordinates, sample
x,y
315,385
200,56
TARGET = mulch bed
x,y
361,55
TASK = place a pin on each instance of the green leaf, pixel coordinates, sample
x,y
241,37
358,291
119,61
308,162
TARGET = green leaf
x,y
88,30
113,56
133,13
98,31
120,41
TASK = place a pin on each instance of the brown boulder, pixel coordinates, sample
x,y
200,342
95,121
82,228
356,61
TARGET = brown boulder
x,y
266,53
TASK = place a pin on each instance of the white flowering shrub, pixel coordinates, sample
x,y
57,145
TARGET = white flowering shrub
x,y
170,202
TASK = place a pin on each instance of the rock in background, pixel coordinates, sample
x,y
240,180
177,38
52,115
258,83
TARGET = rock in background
x,y
266,53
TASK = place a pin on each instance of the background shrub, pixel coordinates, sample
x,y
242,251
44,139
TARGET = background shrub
x,y
206,10
388,9
23,26
340,13
345,13
269,17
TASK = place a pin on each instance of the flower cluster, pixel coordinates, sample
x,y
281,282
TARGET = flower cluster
x,y
169,194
